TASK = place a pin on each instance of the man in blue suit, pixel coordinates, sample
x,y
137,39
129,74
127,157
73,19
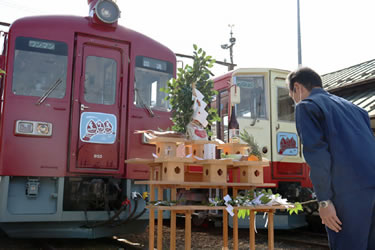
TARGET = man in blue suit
x,y
339,146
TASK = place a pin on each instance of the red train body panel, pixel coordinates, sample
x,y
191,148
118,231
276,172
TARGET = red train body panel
x,y
47,156
75,91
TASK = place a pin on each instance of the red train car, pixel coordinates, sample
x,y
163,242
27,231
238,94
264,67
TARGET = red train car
x,y
74,92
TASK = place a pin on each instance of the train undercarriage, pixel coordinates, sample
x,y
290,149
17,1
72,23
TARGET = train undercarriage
x,y
71,207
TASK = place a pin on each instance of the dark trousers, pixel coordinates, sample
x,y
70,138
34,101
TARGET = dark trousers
x,y
356,211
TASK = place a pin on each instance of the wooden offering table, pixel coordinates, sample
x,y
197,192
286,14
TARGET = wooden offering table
x,y
168,171
188,210
268,209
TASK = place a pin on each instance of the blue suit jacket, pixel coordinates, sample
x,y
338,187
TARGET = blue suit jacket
x,y
338,144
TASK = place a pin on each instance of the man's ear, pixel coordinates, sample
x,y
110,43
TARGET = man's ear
x,y
294,89
296,85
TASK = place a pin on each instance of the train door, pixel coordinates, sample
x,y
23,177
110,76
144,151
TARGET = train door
x,y
253,113
286,151
97,111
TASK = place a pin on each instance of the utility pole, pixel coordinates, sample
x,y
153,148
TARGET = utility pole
x,y
232,41
299,36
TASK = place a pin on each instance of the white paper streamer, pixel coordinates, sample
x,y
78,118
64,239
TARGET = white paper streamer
x,y
230,210
265,214
227,198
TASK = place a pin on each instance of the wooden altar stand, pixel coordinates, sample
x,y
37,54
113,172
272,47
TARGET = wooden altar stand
x,y
169,172
187,210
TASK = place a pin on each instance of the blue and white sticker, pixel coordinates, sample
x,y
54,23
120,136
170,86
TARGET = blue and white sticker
x,y
98,128
287,143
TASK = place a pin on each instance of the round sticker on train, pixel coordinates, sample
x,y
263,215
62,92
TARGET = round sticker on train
x,y
98,128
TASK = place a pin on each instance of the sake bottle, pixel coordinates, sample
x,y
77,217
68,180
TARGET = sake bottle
x,y
233,127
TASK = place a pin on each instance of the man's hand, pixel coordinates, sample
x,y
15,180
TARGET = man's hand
x,y
329,217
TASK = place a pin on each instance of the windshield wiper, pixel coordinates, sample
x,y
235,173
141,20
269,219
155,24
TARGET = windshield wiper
x,y
144,105
48,92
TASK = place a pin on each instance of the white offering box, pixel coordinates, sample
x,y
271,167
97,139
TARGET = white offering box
x,y
209,151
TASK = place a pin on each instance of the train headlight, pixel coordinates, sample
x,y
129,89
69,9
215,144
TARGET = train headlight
x,y
107,11
42,128
33,128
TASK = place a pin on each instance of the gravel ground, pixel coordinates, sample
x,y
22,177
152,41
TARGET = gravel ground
x,y
204,237
210,237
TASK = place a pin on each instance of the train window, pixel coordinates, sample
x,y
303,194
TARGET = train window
x,y
253,102
285,105
219,128
150,76
100,80
38,67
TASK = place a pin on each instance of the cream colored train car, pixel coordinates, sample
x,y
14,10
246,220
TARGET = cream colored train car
x,y
265,110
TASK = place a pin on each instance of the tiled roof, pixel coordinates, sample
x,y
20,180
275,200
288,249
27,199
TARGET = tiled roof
x,y
342,83
364,98
349,76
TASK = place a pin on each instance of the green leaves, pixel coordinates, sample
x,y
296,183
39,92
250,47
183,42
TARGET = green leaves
x,y
242,213
260,198
179,90
254,147
1,72
297,207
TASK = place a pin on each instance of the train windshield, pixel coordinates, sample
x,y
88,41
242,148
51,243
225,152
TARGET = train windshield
x,y
285,105
150,76
253,103
38,66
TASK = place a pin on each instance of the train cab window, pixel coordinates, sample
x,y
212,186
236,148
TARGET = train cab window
x,y
150,76
40,67
253,102
285,105
220,129
100,80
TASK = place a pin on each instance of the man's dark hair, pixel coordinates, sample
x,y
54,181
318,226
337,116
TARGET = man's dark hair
x,y
305,76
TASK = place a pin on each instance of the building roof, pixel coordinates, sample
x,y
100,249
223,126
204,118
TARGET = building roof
x,y
347,77
362,98
354,84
